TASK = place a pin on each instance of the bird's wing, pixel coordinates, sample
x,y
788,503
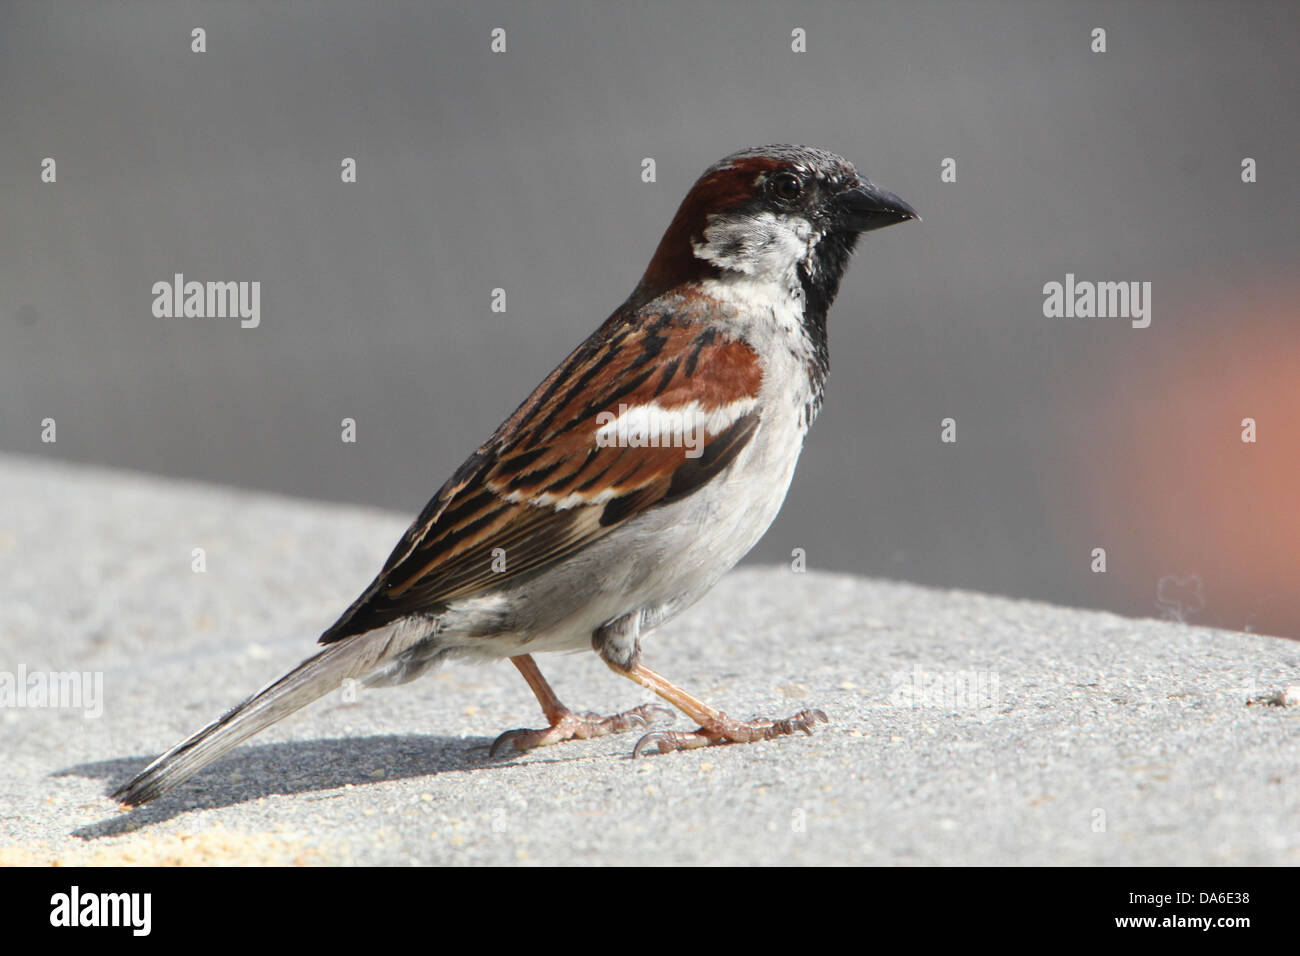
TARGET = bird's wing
x,y
575,460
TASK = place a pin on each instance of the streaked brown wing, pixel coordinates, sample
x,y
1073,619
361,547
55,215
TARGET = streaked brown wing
x,y
542,487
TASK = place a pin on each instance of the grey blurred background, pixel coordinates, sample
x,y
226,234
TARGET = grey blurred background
x,y
521,170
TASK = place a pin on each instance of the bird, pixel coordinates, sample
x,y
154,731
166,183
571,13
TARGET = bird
x,y
644,467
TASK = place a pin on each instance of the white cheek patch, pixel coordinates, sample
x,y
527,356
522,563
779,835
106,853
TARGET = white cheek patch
x,y
764,245
680,426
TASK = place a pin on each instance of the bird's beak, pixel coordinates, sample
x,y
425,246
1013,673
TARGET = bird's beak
x,y
866,206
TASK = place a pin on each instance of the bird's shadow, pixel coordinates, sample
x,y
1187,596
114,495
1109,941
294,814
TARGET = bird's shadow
x,y
286,768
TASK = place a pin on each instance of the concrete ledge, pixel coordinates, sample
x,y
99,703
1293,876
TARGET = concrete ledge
x,y
965,728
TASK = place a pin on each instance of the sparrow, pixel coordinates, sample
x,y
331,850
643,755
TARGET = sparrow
x,y
630,480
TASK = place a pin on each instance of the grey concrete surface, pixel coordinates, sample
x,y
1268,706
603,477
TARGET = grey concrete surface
x,y
964,728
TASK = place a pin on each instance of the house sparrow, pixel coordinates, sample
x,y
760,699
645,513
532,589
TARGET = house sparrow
x,y
628,482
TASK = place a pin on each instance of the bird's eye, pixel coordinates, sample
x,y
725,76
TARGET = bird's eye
x,y
786,186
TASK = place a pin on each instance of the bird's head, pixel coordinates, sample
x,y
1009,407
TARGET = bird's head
x,y
779,214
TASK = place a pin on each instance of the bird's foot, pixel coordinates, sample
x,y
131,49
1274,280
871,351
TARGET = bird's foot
x,y
571,726
724,730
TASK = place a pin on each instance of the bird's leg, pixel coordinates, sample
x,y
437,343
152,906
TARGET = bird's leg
x,y
715,726
564,723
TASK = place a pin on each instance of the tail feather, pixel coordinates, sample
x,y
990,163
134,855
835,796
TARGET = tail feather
x,y
309,681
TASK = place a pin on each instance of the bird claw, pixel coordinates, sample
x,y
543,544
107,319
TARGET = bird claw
x,y
805,720
669,740
724,730
508,737
573,726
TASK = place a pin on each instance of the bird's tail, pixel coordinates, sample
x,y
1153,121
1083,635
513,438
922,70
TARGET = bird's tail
x,y
312,679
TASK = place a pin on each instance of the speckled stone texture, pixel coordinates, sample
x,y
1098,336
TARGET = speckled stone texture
x,y
964,728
